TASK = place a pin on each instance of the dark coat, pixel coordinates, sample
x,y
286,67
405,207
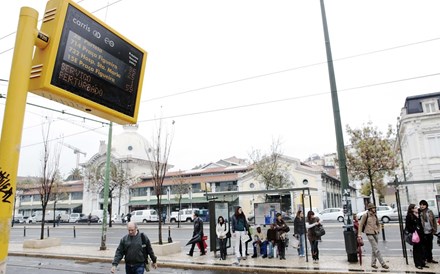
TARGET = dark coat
x,y
197,232
299,227
311,231
413,223
130,247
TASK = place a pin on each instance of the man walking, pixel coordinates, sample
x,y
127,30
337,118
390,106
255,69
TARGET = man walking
x,y
136,248
369,224
429,228
197,235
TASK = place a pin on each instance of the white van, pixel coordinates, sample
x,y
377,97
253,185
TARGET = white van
x,y
145,215
74,217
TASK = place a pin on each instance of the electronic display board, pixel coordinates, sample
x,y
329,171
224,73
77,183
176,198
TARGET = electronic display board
x,y
87,65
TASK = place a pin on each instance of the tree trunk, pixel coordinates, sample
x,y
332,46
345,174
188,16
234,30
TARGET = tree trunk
x,y
159,211
43,219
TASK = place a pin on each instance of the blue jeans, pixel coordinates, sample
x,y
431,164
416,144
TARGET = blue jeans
x,y
134,268
262,246
271,247
302,239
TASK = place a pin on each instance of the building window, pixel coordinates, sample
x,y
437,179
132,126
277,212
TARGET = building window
x,y
433,146
430,106
76,195
26,198
139,192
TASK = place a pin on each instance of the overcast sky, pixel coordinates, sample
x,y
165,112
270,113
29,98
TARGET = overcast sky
x,y
235,75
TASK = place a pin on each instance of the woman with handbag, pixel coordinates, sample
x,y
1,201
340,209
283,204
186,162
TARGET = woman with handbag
x,y
300,231
413,224
281,228
313,221
222,232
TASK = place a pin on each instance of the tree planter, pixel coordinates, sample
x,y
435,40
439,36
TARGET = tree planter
x,y
48,242
166,248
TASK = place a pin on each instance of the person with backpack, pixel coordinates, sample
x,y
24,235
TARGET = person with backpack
x,y
135,247
369,224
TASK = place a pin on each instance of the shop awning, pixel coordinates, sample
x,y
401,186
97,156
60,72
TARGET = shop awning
x,y
197,200
49,207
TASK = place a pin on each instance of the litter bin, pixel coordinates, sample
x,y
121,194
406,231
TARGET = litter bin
x,y
350,245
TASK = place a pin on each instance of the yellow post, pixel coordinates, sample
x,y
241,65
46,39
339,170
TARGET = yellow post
x,y
13,122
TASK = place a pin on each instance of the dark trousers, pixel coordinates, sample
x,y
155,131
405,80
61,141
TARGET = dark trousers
x,y
202,249
427,246
281,249
134,268
246,248
222,243
418,254
315,250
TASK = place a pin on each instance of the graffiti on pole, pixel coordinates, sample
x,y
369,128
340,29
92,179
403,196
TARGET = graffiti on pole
x,y
5,186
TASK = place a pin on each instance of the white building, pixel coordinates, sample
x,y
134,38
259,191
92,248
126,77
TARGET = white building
x,y
129,153
419,132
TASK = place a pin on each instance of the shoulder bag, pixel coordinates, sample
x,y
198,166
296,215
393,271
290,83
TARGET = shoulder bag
x,y
319,231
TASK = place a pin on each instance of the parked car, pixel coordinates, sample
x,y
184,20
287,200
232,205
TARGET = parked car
x,y
384,213
18,219
395,215
332,214
185,215
144,215
85,219
74,217
29,219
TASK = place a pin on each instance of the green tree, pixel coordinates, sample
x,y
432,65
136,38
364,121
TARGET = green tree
x,y
75,174
269,168
370,156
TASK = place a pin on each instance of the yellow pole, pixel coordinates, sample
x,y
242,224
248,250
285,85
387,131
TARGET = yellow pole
x,y
13,122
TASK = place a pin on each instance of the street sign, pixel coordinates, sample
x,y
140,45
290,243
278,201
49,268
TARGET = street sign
x,y
87,65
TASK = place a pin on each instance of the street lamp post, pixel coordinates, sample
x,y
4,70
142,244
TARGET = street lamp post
x,y
349,235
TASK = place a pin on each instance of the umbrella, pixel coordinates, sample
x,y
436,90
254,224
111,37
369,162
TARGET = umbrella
x,y
194,239
360,243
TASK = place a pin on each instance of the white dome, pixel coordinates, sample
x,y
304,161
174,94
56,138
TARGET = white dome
x,y
130,144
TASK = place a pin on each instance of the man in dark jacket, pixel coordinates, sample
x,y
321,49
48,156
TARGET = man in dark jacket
x,y
131,247
197,234
429,228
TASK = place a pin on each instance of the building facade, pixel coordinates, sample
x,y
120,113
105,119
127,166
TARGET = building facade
x,y
419,142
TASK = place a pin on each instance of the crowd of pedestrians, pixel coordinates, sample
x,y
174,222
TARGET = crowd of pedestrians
x,y
420,225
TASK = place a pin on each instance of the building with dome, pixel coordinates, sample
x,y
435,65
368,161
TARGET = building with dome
x,y
128,161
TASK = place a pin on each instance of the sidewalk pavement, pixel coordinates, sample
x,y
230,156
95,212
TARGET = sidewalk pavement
x,y
293,264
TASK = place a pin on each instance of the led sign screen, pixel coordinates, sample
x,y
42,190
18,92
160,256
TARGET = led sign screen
x,y
100,70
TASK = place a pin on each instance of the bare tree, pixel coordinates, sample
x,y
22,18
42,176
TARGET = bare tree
x,y
158,159
268,167
180,188
50,176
